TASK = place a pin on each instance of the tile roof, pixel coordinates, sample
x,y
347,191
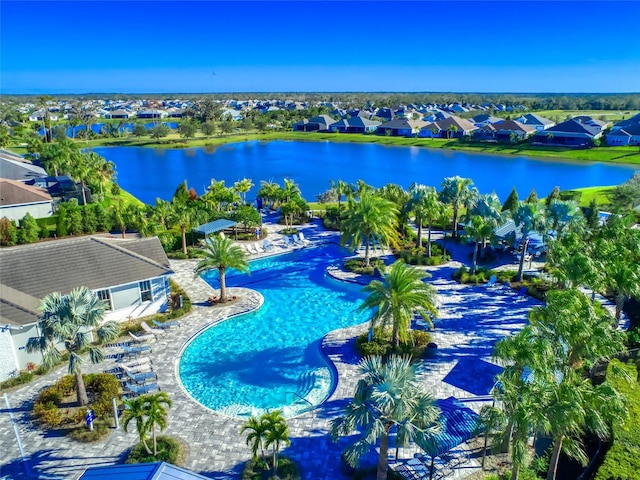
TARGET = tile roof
x,y
14,167
13,192
33,271
512,125
574,126
140,471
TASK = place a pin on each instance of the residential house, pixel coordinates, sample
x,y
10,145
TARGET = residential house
x,y
39,116
315,124
572,133
141,471
401,127
384,114
14,167
175,112
625,132
130,276
484,119
119,113
62,188
18,199
152,113
450,127
504,131
354,125
533,120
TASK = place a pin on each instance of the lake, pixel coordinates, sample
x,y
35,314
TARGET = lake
x,y
148,173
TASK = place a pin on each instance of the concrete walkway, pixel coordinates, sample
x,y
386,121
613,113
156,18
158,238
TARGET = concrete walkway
x,y
471,320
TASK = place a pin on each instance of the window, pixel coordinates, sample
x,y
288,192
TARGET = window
x,y
145,291
105,296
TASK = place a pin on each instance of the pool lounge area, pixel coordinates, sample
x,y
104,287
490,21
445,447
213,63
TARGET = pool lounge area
x,y
472,319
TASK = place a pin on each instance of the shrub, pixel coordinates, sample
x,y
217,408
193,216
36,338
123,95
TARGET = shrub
x,y
170,450
84,435
380,343
101,388
258,469
356,265
22,378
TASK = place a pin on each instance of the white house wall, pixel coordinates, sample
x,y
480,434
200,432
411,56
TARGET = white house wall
x,y
17,212
8,362
20,338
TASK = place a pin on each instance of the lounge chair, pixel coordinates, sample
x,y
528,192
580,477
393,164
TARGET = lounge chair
x,y
141,389
141,377
138,365
297,240
136,349
301,237
266,245
288,241
142,338
491,282
153,331
165,325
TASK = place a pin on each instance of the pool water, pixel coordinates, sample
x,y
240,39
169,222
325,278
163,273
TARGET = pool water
x,y
271,359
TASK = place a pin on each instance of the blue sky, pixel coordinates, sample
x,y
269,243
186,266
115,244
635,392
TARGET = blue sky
x,y
326,46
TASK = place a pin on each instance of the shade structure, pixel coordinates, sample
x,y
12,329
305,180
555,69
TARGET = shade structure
x,y
215,226
141,471
459,424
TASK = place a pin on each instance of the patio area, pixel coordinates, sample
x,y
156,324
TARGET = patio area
x,y
471,320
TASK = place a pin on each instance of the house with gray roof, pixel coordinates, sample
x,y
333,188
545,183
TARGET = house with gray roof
x,y
314,124
504,131
625,132
131,276
401,127
18,199
14,167
536,121
484,119
354,125
572,133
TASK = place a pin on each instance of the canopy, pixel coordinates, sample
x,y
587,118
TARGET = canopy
x,y
215,226
459,424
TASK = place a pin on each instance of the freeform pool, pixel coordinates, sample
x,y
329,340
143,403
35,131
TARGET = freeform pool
x,y
271,359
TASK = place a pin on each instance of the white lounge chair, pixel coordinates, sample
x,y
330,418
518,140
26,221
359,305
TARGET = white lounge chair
x,y
142,338
297,240
301,237
141,389
140,377
153,331
165,325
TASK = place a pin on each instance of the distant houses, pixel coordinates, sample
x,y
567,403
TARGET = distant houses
x,y
450,127
625,132
577,132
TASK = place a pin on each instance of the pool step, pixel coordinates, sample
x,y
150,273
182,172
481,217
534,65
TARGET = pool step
x,y
306,383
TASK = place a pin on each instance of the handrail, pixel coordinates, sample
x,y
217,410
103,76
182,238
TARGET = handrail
x,y
299,396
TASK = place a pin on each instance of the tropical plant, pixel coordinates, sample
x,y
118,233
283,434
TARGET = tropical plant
x,y
277,433
427,207
399,296
370,217
256,429
222,253
149,412
479,230
242,187
389,395
457,192
66,320
530,218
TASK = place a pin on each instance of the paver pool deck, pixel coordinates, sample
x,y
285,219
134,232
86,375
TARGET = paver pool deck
x,y
471,320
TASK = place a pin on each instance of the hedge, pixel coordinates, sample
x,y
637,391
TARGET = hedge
x,y
622,461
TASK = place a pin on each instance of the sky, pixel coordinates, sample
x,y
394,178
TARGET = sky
x,y
203,46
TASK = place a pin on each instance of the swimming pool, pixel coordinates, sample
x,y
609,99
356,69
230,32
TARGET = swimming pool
x,y
271,359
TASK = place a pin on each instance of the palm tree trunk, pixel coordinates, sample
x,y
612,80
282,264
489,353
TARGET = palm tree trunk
x,y
555,456
619,305
223,286
84,195
419,239
514,473
455,221
275,462
366,252
183,231
525,246
81,391
475,259
155,444
429,240
383,459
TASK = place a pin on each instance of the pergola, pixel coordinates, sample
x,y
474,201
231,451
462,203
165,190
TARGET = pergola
x,y
215,226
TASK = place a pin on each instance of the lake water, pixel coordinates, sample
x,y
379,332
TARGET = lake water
x,y
149,173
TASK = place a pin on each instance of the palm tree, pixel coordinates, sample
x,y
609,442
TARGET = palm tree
x,y
277,433
257,429
242,187
136,410
222,253
458,192
488,207
426,207
530,218
269,192
67,320
184,216
149,411
572,261
399,296
479,229
562,216
370,217
400,198
389,395
491,419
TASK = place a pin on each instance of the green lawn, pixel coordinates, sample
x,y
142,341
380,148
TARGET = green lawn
x,y
608,115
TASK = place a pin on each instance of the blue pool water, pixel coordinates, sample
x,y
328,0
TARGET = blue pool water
x,y
271,358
